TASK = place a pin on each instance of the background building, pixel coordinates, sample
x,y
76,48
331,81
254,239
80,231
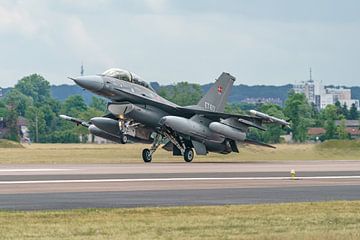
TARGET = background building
x,y
311,89
263,100
322,96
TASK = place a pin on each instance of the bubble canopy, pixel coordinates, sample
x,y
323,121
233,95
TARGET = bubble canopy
x,y
126,76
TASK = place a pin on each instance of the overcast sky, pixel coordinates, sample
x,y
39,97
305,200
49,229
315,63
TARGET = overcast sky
x,y
271,42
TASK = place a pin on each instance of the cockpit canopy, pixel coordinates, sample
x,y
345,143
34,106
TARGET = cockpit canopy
x,y
126,76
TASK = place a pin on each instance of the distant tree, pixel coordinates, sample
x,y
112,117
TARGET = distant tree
x,y
3,109
248,106
74,105
345,111
233,108
339,109
353,114
330,114
49,116
18,101
273,133
341,130
90,113
55,105
315,116
37,123
298,110
34,86
99,104
11,117
64,136
182,93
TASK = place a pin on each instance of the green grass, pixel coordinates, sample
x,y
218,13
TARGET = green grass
x,y
131,153
340,145
9,144
326,220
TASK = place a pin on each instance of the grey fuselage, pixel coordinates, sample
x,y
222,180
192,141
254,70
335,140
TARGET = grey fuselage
x,y
149,108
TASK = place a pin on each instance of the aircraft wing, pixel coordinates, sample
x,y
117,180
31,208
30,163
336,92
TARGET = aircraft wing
x,y
255,120
215,115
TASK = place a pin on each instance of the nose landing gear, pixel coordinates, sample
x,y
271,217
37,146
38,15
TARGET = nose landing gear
x,y
124,127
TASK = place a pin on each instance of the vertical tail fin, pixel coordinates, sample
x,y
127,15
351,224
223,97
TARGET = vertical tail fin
x,y
216,98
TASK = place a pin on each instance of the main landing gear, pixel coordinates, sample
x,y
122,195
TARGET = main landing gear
x,y
147,153
188,155
187,152
123,138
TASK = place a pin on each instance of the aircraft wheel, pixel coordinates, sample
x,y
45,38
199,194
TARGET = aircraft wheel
x,y
146,155
188,155
123,139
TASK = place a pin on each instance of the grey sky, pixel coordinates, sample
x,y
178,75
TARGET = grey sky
x,y
260,42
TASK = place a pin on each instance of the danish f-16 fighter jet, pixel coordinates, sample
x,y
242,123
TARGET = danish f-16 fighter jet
x,y
139,114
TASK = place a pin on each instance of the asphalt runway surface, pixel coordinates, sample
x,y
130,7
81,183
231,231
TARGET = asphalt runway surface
x,y
70,186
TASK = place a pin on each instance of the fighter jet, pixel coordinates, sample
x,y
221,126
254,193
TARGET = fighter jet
x,y
139,114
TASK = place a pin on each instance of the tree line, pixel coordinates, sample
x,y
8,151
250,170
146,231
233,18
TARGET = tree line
x,y
31,99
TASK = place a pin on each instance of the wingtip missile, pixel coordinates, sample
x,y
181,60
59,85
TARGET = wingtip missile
x,y
75,120
65,117
269,118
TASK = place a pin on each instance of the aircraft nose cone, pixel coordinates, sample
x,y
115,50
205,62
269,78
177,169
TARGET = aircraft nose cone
x,y
91,83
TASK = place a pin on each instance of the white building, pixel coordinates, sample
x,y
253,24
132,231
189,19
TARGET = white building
x,y
308,88
312,90
343,95
322,96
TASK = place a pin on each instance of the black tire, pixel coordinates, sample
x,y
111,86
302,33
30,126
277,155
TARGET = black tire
x,y
123,139
146,155
188,155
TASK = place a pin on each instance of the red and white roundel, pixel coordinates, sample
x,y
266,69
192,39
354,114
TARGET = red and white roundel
x,y
220,89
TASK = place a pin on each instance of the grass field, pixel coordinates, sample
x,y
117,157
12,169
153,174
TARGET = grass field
x,y
327,220
131,153
9,144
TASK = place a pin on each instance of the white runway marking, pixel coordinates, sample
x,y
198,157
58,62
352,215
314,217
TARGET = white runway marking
x,y
173,179
35,170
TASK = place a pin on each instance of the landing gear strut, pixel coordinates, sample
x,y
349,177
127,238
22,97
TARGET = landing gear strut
x,y
123,126
147,153
187,152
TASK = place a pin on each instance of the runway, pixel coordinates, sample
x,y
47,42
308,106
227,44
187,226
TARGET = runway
x,y
35,187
